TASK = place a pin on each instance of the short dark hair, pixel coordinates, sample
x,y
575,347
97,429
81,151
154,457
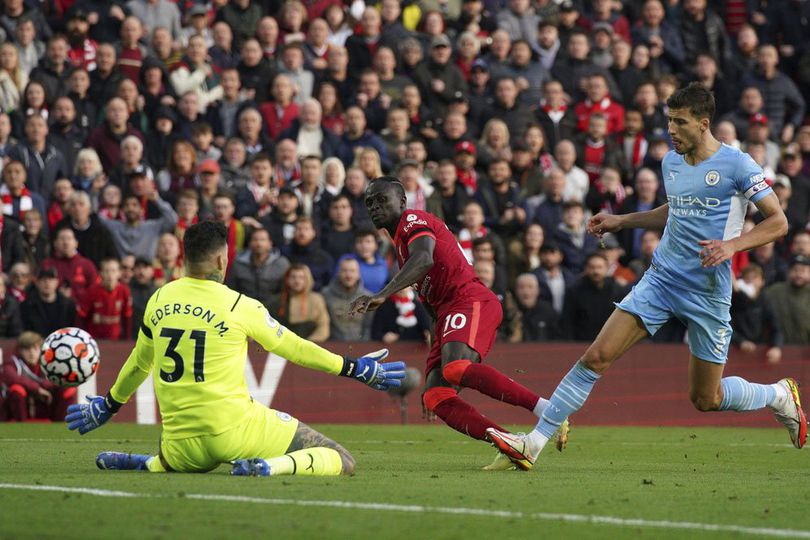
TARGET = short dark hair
x,y
390,182
362,232
202,239
695,97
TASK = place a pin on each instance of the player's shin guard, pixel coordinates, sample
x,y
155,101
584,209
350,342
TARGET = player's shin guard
x,y
315,461
489,381
569,396
457,413
741,395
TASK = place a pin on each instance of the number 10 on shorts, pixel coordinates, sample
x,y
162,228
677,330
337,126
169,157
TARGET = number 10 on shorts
x,y
454,321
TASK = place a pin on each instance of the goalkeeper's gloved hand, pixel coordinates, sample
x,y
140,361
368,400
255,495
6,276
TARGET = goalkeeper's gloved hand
x,y
88,416
369,370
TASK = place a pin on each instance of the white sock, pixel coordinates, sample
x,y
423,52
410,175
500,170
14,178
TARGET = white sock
x,y
536,441
542,403
781,393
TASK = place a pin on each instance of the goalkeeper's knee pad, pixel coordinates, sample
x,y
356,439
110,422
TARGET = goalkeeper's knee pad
x,y
437,394
453,371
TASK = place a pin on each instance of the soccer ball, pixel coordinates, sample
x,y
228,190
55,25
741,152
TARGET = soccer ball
x,y
69,356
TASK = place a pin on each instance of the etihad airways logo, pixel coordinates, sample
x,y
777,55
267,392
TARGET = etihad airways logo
x,y
691,205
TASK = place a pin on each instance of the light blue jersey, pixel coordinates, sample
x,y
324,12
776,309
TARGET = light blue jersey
x,y
706,202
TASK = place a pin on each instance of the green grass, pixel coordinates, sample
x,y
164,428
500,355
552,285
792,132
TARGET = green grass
x,y
742,477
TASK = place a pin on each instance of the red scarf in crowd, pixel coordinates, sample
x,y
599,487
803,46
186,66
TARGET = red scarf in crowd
x,y
465,240
406,308
468,179
26,203
55,215
555,114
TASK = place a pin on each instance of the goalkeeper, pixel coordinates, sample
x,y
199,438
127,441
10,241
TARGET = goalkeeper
x,y
194,339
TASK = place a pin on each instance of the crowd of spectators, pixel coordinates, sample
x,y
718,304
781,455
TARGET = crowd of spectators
x,y
124,122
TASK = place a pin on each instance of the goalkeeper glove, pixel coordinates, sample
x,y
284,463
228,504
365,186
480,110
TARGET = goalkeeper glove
x,y
369,370
88,416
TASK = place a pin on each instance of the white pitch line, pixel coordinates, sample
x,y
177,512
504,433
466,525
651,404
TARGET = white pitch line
x,y
419,509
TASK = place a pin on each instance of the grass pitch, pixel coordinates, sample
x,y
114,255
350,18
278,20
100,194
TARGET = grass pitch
x,y
417,482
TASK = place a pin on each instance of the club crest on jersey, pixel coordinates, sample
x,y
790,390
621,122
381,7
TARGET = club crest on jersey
x,y
712,178
411,217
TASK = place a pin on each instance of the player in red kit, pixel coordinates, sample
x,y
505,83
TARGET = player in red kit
x,y
106,311
467,314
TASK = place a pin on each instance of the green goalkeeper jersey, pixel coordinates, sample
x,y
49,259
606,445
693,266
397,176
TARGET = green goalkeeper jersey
x,y
194,338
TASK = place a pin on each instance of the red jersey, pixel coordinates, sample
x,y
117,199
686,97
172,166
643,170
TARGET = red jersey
x,y
78,273
452,278
107,314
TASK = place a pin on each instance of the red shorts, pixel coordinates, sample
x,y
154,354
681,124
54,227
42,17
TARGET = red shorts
x,y
473,321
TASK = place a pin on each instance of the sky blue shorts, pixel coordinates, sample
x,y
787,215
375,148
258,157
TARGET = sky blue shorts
x,y
707,319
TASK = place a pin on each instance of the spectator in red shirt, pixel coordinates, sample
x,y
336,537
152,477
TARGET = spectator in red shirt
x,y
30,394
82,51
595,150
599,101
279,113
106,311
76,273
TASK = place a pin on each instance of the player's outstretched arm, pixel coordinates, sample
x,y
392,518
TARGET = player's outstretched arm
x,y
368,369
610,223
86,417
773,227
415,268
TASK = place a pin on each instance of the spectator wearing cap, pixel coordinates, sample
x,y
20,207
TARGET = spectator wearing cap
x,y
750,103
576,66
196,74
758,133
481,94
599,101
439,79
791,302
528,72
43,162
138,236
783,103
791,166
519,20
140,183
94,239
357,136
106,138
661,38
